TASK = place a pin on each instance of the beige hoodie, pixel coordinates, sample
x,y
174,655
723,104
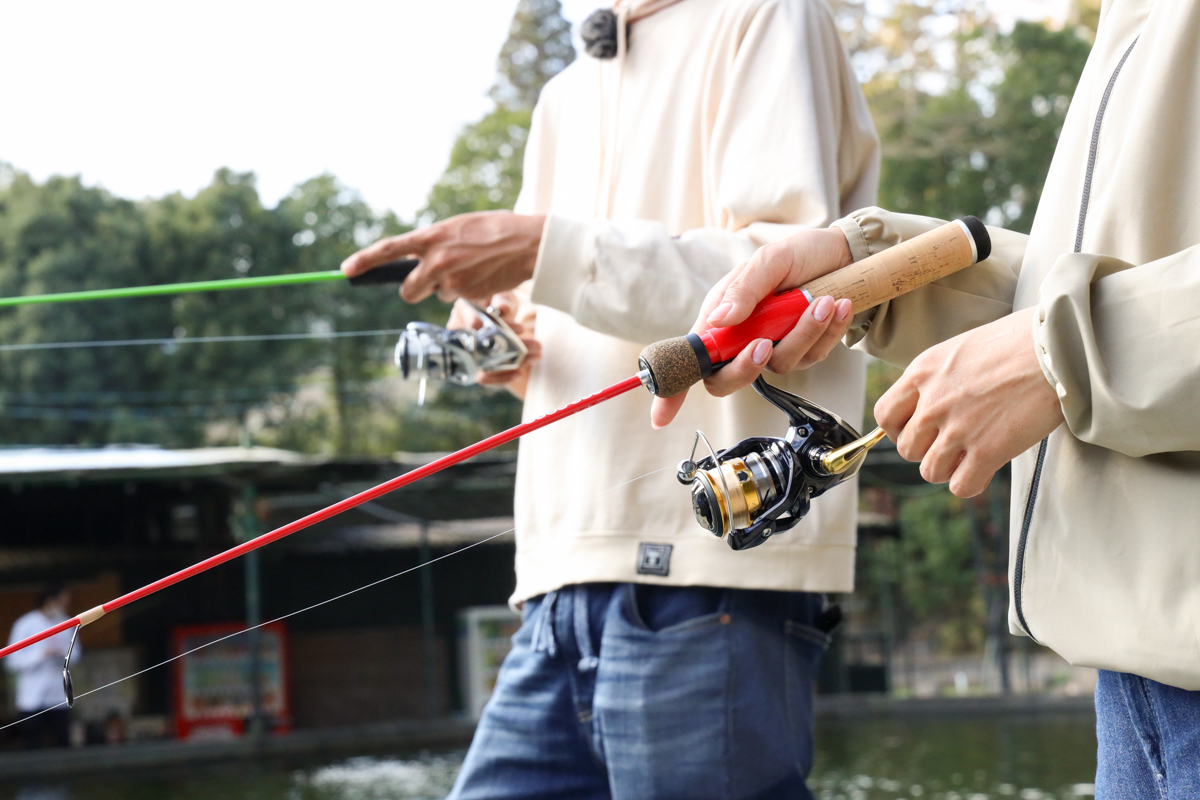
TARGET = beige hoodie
x,y
721,125
1105,533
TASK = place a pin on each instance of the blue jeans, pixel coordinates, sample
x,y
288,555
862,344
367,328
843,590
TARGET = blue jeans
x,y
629,691
1149,739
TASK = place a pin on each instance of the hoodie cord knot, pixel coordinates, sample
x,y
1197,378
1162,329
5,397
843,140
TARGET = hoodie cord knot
x,y
599,33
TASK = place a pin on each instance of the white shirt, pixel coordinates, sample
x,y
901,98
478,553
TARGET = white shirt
x,y
39,667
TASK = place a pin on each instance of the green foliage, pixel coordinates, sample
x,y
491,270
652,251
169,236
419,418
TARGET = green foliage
x,y
62,235
485,169
979,148
538,47
484,172
485,166
932,565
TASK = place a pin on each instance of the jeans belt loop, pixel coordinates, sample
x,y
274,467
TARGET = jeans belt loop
x,y
543,634
583,634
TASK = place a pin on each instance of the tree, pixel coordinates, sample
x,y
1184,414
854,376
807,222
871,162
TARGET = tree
x,y
538,47
485,163
979,147
485,169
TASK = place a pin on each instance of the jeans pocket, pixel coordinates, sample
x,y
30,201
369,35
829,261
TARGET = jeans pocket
x,y
670,609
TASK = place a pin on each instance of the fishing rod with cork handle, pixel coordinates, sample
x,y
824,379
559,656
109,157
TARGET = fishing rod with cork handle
x,y
793,468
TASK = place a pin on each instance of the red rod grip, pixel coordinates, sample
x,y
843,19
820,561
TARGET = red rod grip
x,y
772,319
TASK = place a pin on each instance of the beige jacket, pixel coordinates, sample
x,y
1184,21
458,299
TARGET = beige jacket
x,y
726,124
1106,512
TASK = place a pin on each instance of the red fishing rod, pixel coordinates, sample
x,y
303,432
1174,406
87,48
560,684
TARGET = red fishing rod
x,y
415,475
668,367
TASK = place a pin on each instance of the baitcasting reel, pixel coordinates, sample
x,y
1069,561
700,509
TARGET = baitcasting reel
x,y
431,352
761,485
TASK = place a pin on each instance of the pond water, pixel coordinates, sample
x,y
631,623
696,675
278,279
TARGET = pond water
x,y
954,759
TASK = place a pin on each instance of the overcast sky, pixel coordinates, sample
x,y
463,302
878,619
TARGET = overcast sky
x,y
146,98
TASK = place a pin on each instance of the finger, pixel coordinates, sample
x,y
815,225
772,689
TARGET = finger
x,y
742,371
505,304
941,460
832,336
916,438
664,409
808,331
897,406
423,281
972,476
413,243
463,317
533,349
497,378
762,275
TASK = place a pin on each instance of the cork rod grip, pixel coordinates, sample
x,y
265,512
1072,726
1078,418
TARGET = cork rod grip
x,y
909,265
672,365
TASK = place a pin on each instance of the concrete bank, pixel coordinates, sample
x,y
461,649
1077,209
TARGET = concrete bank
x,y
307,746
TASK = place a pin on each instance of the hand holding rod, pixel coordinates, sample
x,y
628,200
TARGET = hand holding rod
x,y
676,364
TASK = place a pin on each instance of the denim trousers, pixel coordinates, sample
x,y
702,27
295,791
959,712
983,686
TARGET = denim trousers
x,y
630,691
1149,739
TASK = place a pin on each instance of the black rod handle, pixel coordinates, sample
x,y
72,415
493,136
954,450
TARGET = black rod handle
x,y
391,272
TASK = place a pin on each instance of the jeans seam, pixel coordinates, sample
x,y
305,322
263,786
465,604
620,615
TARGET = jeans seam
x,y
1160,766
1152,741
730,682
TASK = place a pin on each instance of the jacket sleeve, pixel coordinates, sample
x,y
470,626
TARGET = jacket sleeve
x,y
791,143
1121,345
901,329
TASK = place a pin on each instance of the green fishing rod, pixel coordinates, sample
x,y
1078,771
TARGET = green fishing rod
x,y
391,272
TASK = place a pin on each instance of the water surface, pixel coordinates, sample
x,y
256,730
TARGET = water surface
x,y
957,759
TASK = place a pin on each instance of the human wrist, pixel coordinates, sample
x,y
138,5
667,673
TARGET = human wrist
x,y
839,247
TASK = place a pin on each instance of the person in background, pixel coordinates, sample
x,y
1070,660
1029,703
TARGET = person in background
x,y
653,660
38,670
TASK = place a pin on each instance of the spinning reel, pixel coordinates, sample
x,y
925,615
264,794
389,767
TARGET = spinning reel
x,y
762,486
431,352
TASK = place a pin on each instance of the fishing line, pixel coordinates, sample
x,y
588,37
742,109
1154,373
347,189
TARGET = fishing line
x,y
635,480
172,341
264,624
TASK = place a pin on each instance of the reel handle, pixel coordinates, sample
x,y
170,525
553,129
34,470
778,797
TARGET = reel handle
x,y
391,272
676,364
